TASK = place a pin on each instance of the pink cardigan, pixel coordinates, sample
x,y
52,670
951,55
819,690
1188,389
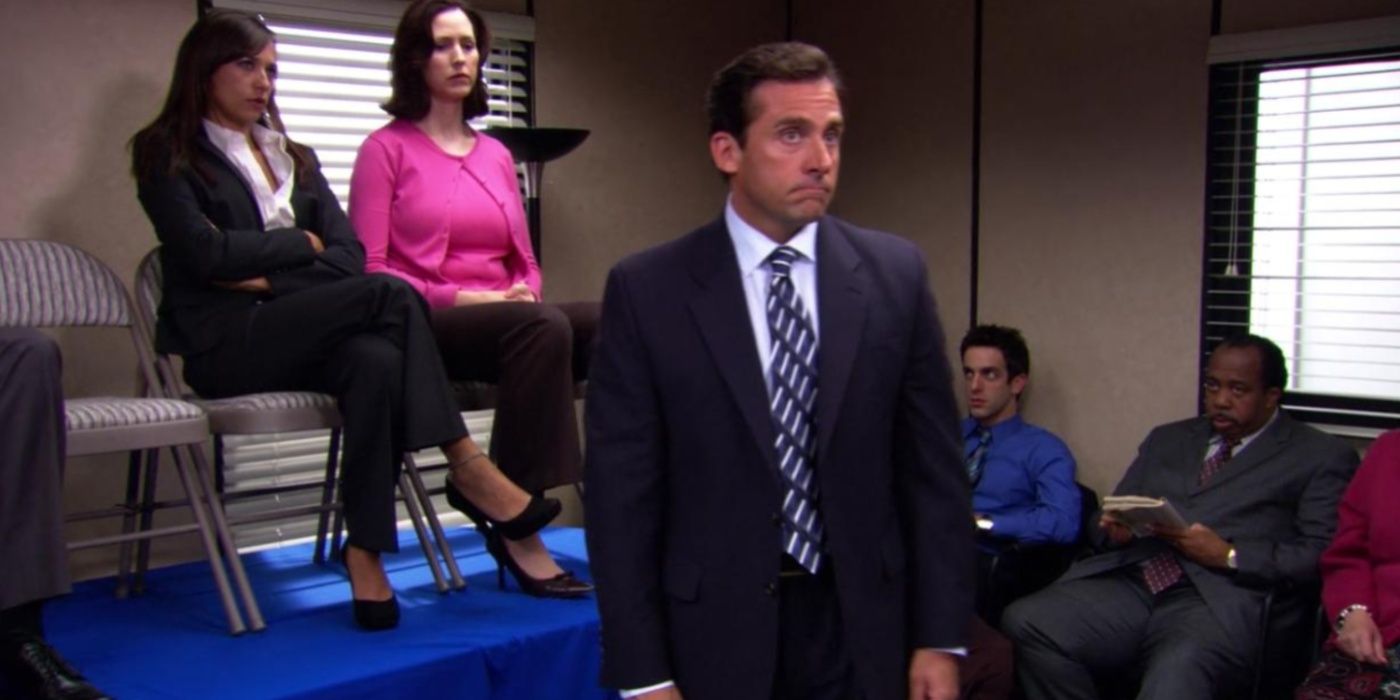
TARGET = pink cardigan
x,y
1363,563
443,223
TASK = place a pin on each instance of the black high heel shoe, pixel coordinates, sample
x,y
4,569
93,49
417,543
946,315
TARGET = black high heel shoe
x,y
560,585
538,513
371,615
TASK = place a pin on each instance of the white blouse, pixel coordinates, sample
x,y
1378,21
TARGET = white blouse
x,y
275,207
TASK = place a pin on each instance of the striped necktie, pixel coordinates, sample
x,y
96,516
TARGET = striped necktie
x,y
792,373
979,455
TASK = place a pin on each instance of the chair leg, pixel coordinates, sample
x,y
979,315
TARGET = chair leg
x,y
420,492
124,552
225,536
337,524
415,514
148,511
323,519
197,493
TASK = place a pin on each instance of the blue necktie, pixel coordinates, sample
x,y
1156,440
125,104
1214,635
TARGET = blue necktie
x,y
792,373
978,456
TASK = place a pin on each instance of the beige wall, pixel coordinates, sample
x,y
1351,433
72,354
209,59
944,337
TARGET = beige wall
x,y
634,73
907,155
1092,177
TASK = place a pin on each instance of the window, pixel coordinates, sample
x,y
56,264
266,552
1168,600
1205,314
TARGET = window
x,y
1303,226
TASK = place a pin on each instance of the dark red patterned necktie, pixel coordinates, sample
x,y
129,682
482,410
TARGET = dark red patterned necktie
x,y
1163,571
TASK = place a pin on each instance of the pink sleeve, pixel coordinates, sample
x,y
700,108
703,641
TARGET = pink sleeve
x,y
520,227
372,190
1347,576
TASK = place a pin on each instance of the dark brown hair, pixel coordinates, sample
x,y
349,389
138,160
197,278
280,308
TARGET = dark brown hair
x,y
1004,338
168,143
728,103
413,44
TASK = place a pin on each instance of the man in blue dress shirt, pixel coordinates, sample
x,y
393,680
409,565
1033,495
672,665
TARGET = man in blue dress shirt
x,y
1022,475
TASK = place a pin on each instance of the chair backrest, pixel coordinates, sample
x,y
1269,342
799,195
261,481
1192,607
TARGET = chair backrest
x,y
148,291
149,281
1088,514
44,284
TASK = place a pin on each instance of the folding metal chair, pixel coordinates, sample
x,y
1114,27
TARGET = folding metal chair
x,y
285,412
44,284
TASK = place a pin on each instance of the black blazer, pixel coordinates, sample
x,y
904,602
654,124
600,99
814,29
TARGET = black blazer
x,y
683,492
211,230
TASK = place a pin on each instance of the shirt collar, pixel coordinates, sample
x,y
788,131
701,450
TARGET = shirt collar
x,y
1217,438
1000,431
226,138
753,248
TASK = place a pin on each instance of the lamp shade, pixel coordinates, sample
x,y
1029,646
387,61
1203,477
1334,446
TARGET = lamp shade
x,y
537,144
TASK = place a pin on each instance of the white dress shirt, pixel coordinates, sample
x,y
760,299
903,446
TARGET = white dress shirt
x,y
752,248
275,206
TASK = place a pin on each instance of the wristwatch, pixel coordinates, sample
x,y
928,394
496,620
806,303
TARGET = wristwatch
x,y
1348,610
1231,561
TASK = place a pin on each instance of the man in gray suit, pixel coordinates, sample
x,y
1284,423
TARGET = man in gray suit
x,y
1260,491
31,518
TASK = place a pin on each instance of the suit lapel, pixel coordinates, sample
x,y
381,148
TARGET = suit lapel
x,y
723,317
841,307
234,173
1269,443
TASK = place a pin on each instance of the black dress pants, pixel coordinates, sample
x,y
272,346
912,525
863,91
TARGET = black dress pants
x,y
813,662
533,353
365,341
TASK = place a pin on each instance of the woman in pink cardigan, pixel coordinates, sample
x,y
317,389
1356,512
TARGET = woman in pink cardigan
x,y
437,204
1361,585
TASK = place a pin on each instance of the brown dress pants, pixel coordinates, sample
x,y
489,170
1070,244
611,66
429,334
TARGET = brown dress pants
x,y
533,353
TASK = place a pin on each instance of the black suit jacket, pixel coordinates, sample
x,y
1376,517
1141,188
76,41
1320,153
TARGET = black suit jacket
x,y
1275,501
211,230
683,491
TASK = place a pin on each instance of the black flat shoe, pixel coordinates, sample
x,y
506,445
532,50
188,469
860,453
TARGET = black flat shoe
x,y
538,513
371,615
561,585
39,669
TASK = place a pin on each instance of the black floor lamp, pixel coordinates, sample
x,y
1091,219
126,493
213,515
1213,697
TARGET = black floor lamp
x,y
533,147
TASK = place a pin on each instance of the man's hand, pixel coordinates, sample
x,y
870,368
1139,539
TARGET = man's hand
x,y
1198,543
1360,639
256,285
933,675
1115,530
316,243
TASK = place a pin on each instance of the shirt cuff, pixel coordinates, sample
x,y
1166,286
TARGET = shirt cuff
x,y
634,692
955,651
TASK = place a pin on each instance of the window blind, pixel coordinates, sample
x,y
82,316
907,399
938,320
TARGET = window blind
x,y
1303,226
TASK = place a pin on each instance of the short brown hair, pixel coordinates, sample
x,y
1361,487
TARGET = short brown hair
x,y
727,102
413,44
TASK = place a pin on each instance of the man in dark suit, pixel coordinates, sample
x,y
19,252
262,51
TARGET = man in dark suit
x,y
31,518
1260,491
776,502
